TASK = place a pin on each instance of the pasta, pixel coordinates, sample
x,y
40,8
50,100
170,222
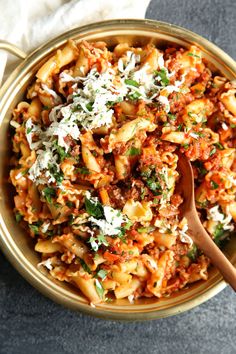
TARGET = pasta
x,y
94,166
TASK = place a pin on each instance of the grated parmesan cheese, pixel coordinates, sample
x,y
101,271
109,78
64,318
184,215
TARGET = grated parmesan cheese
x,y
131,298
164,100
224,126
47,264
215,215
194,135
184,237
14,124
90,107
57,98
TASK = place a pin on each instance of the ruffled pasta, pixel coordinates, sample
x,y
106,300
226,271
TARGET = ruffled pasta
x,y
94,166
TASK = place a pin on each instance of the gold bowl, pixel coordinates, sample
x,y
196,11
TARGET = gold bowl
x,y
14,242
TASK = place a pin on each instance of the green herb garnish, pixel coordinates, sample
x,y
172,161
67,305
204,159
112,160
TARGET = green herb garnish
x,y
213,151
18,217
99,288
171,116
94,208
219,146
83,170
179,127
163,76
131,82
34,228
214,185
85,266
89,106
192,254
101,274
220,234
61,152
133,151
58,175
134,96
69,204
193,55
146,229
71,219
49,193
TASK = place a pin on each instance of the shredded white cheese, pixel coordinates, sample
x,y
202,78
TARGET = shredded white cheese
x,y
14,124
131,298
113,221
194,135
224,126
164,100
47,264
184,237
57,98
215,215
90,107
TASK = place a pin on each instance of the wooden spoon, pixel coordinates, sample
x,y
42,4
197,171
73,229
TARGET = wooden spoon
x,y
195,228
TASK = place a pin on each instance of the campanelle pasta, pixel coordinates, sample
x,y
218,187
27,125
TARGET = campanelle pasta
x,y
95,166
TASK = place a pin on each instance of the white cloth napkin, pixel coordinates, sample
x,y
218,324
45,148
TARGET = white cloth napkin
x,y
28,23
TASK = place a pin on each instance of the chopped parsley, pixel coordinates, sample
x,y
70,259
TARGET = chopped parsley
x,y
61,152
99,288
214,185
219,146
193,55
220,234
18,217
146,229
101,274
94,208
201,169
134,96
58,175
179,127
71,219
171,116
34,228
49,193
213,151
69,204
83,170
133,151
89,106
152,181
154,186
192,254
96,242
143,193
85,266
162,74
131,82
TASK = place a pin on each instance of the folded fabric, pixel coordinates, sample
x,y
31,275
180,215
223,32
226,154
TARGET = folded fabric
x,y
28,24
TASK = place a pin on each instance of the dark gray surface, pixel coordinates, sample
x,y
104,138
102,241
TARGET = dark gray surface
x,y
30,323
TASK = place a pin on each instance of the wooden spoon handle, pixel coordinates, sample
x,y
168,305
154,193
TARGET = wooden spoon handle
x,y
217,257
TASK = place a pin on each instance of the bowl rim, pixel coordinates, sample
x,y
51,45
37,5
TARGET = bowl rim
x,y
16,258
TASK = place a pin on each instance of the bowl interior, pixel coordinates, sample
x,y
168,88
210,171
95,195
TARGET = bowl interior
x,y
19,247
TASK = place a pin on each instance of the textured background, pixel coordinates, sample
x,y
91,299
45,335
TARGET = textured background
x,y
30,323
